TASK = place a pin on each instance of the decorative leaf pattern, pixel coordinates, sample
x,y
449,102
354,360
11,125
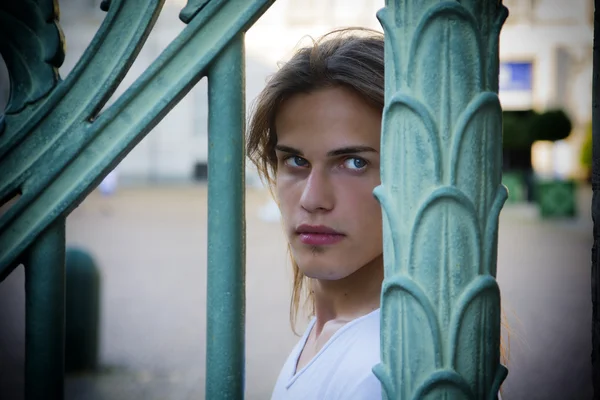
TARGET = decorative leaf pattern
x,y
441,195
32,45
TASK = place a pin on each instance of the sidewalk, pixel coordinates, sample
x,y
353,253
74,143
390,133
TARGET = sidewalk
x,y
151,246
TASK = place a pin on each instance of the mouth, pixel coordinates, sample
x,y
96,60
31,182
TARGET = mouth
x,y
318,235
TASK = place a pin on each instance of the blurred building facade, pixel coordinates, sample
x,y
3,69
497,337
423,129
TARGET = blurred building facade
x,y
546,63
545,52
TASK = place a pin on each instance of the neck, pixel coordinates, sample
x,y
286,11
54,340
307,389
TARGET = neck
x,y
349,298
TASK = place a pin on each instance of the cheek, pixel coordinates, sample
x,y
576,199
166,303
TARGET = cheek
x,y
363,208
286,197
371,221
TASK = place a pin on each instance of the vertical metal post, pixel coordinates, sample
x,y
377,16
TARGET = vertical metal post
x,y
596,204
226,225
45,315
441,195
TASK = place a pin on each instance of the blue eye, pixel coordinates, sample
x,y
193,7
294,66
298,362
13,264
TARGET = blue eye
x,y
355,163
295,161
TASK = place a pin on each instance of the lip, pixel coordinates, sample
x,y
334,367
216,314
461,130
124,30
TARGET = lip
x,y
322,229
318,235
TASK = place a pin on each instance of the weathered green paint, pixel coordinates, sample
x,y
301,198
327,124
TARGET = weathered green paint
x,y
55,148
41,140
226,224
32,46
441,196
64,148
45,314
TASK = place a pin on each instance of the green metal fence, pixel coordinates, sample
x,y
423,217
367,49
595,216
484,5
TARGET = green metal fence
x,y
441,186
441,195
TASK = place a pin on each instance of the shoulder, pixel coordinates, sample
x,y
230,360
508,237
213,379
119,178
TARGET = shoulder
x,y
358,352
356,382
363,338
343,370
366,388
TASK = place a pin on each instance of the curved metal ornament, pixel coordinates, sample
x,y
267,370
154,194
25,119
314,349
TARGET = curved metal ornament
x,y
32,45
55,153
441,196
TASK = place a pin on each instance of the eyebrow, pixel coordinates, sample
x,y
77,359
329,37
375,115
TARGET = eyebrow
x,y
337,152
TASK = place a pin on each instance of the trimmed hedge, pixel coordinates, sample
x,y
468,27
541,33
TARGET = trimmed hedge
x,y
521,128
552,125
516,132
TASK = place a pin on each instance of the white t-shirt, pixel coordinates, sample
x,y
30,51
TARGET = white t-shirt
x,y
341,370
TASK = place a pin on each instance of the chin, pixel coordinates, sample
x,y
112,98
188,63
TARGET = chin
x,y
323,272
324,263
320,276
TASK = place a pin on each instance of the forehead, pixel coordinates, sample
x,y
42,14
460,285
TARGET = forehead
x,y
327,118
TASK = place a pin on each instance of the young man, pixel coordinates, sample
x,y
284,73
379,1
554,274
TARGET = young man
x,y
315,138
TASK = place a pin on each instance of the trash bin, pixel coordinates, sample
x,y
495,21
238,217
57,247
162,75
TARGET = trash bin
x,y
82,311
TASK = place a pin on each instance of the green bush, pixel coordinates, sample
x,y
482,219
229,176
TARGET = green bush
x,y
551,125
516,132
521,128
586,150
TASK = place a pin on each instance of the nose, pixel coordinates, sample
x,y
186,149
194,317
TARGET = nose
x,y
318,193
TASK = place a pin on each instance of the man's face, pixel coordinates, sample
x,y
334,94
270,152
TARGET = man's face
x,y
328,145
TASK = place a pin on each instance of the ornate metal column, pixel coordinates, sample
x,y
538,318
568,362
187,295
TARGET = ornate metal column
x,y
441,195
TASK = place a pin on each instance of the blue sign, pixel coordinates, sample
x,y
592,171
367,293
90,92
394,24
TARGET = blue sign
x,y
516,76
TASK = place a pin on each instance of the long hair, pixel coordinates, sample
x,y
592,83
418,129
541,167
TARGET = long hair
x,y
351,58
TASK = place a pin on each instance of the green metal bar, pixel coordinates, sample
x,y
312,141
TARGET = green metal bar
x,y
45,314
226,225
64,173
440,327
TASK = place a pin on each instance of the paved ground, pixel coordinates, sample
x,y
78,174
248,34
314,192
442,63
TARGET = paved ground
x,y
151,246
